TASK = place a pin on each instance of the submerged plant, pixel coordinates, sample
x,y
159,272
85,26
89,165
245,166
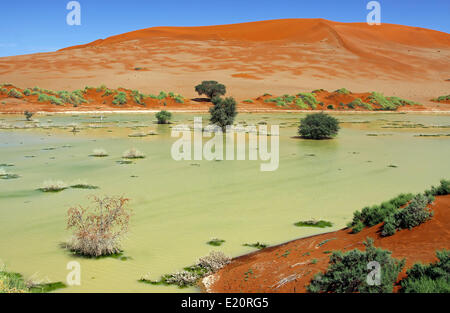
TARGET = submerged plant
x,y
216,242
6,175
314,223
80,184
133,153
99,153
98,231
53,186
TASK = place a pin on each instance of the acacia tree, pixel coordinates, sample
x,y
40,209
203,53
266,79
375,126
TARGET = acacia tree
x,y
211,89
223,112
163,117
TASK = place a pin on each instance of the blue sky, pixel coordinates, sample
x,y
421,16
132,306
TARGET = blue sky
x,y
30,26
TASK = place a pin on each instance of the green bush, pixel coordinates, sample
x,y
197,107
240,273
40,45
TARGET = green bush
x,y
343,91
163,117
348,272
137,97
15,93
441,190
318,126
27,92
223,112
120,98
431,278
309,99
442,98
211,89
371,216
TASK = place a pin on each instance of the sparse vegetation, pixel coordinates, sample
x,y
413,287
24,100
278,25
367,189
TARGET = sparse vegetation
x,y
98,231
258,245
15,93
6,175
28,115
442,98
79,184
15,283
318,126
388,103
120,98
314,223
348,272
343,91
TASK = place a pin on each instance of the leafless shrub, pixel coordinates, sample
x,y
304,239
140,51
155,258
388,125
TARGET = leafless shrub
x,y
214,261
182,279
99,153
53,186
133,154
98,231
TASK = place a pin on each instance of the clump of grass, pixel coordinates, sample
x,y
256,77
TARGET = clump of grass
x,y
53,186
133,153
258,245
98,231
99,153
314,223
80,184
216,242
248,101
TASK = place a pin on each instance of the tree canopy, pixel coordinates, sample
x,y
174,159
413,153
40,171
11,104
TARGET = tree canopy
x,y
318,126
211,89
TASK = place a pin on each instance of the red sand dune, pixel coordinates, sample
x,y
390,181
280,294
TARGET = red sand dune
x,y
270,267
277,56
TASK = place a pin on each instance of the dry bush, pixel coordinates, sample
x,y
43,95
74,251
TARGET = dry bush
x,y
133,153
53,186
98,231
182,279
214,261
100,153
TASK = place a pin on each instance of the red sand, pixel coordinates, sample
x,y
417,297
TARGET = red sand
x,y
269,266
277,57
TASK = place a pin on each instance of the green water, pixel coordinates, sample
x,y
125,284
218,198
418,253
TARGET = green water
x,y
178,207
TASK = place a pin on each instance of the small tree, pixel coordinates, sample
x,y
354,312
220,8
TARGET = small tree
x,y
98,231
211,89
318,126
28,115
163,117
223,112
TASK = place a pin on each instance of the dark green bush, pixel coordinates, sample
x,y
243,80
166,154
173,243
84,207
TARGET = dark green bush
x,y
211,89
15,93
318,126
441,190
430,278
348,272
163,117
120,98
223,112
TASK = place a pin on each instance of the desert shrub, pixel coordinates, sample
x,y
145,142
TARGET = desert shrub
x,y
98,231
3,91
343,91
211,89
28,115
99,153
389,103
214,261
101,88
163,117
441,190
107,93
414,214
223,112
330,107
75,97
248,101
53,186
178,99
442,98
300,103
27,92
15,93
137,97
120,98
430,278
318,126
347,272
133,153
182,279
371,216
308,98
12,282
80,184
314,223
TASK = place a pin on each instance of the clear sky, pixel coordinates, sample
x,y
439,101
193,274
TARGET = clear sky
x,y
29,26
